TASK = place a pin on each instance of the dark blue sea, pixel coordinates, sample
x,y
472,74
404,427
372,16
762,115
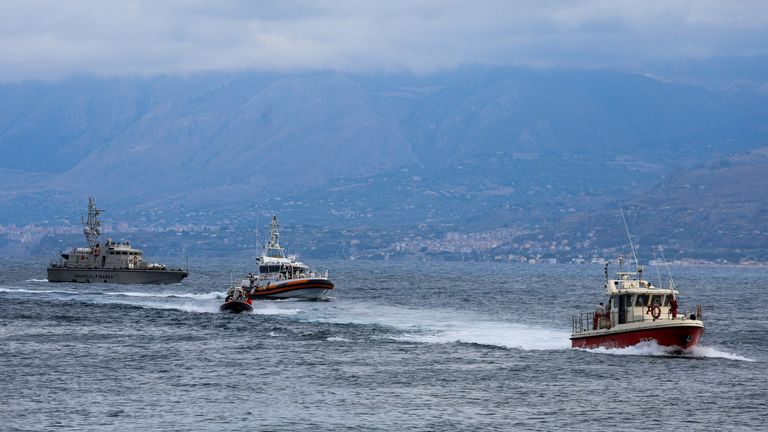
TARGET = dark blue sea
x,y
401,346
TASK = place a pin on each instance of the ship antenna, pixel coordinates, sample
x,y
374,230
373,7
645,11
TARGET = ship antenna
x,y
658,275
671,281
626,227
92,225
257,228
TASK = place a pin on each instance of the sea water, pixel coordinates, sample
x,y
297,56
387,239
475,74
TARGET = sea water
x,y
400,346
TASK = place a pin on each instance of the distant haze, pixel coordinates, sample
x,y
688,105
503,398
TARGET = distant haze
x,y
54,39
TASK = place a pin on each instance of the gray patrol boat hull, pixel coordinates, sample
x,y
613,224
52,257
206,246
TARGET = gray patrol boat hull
x,y
121,276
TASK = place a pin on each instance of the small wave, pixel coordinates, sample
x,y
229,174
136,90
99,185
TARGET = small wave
x,y
36,280
651,348
337,339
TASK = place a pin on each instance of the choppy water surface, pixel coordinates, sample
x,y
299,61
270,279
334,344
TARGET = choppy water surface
x,y
419,346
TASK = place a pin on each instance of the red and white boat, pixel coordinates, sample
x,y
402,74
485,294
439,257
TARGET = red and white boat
x,y
637,311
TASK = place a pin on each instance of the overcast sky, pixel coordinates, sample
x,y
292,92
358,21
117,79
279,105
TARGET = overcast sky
x,y
51,39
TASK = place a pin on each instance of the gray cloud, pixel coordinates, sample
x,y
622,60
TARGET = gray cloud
x,y
50,39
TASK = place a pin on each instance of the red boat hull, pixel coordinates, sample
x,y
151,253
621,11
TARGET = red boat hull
x,y
683,337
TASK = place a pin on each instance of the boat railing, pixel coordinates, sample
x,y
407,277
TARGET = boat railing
x,y
590,321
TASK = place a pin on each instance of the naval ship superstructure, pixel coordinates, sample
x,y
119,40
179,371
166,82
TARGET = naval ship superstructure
x,y
111,262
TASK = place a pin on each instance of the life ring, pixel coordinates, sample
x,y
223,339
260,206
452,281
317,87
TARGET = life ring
x,y
82,257
655,311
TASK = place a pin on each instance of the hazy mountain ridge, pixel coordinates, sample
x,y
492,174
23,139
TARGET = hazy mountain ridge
x,y
713,210
471,150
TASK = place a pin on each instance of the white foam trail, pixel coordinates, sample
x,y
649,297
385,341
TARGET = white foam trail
x,y
36,280
207,296
271,310
29,291
651,348
443,326
337,339
710,352
505,335
184,307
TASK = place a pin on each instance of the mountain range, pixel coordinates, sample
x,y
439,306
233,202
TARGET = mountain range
x,y
553,152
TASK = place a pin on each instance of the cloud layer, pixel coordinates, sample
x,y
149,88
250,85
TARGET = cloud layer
x,y
51,39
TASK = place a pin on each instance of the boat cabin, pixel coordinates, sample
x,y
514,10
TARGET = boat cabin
x,y
112,255
632,299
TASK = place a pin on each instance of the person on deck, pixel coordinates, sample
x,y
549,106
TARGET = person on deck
x,y
673,307
599,312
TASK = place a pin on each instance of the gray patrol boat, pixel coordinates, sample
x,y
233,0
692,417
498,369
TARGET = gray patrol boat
x,y
112,262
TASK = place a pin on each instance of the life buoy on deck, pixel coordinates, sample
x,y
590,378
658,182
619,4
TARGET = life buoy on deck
x,y
82,257
655,311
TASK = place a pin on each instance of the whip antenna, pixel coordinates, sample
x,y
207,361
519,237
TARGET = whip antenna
x,y
671,281
634,255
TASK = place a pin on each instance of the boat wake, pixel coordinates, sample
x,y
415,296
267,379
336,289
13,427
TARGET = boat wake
x,y
36,280
260,309
651,348
29,291
207,296
183,307
442,326
497,334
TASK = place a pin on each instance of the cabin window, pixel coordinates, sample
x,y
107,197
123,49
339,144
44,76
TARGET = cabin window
x,y
269,268
667,299
627,300
658,300
124,253
642,300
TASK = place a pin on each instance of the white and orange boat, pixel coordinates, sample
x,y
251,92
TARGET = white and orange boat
x,y
281,276
636,311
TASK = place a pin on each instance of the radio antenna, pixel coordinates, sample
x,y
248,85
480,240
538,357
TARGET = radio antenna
x,y
671,281
634,255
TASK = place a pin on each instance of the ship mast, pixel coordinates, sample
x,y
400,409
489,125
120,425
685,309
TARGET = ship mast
x,y
274,235
92,225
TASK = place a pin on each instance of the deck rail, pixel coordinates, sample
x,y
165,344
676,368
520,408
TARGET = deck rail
x,y
588,321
